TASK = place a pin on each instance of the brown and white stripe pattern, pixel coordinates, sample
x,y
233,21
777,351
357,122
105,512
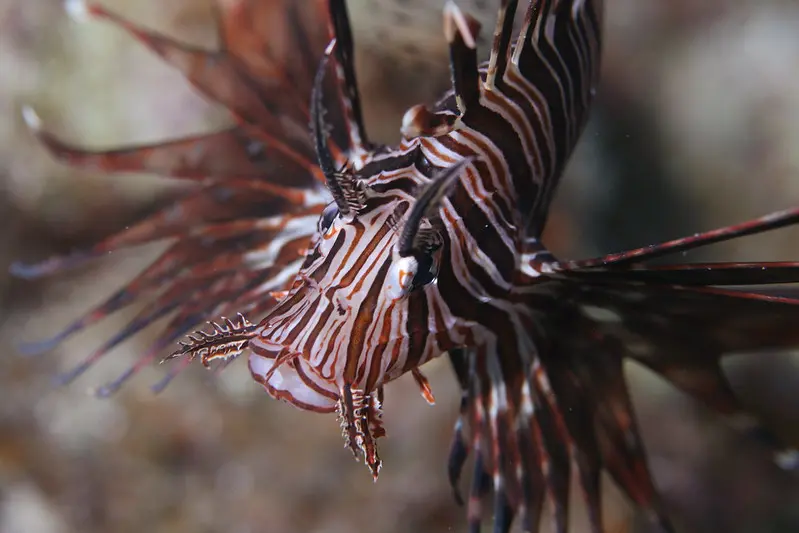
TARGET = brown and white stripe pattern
x,y
427,248
343,328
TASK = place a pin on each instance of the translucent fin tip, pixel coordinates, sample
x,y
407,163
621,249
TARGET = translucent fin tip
x,y
31,118
78,10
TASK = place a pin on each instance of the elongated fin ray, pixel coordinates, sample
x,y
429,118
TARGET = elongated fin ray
x,y
146,317
227,256
276,42
699,274
556,448
778,219
201,220
576,409
319,129
461,32
210,157
216,74
348,83
159,386
459,448
620,443
500,49
177,326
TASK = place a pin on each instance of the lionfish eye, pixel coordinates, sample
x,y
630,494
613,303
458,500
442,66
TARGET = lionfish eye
x,y
410,273
329,214
426,271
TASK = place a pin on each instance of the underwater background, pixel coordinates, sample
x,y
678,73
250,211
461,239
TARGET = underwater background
x,y
696,126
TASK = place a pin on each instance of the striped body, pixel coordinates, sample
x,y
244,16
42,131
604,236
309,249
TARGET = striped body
x,y
427,248
339,317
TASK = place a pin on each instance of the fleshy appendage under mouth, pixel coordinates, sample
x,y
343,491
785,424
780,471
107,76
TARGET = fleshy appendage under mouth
x,y
289,377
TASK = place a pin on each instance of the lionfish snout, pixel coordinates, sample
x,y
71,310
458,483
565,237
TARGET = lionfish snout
x,y
306,378
288,376
316,350
342,330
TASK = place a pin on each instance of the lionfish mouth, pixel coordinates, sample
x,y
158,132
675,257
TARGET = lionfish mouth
x,y
286,375
293,381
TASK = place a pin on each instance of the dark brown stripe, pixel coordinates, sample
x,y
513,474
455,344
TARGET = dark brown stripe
x,y
361,323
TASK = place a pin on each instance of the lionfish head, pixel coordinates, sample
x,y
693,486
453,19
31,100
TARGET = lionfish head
x,y
342,329
343,321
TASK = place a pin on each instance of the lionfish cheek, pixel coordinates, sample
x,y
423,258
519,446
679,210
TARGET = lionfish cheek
x,y
400,277
295,383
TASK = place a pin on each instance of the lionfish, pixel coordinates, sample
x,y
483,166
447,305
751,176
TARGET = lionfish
x,y
364,262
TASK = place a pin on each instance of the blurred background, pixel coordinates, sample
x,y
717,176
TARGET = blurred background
x,y
697,126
